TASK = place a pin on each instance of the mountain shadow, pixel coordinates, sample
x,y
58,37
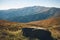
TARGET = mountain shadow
x,y
37,33
29,14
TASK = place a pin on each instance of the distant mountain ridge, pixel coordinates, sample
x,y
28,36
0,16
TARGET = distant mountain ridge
x,y
29,14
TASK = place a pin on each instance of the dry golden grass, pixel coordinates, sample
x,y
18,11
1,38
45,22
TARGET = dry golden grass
x,y
12,30
46,23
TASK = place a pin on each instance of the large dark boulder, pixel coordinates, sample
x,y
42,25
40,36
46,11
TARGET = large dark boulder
x,y
37,33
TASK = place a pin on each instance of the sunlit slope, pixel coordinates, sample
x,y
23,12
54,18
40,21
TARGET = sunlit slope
x,y
47,22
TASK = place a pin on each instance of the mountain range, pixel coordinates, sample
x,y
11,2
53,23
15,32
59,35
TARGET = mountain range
x,y
12,22
29,14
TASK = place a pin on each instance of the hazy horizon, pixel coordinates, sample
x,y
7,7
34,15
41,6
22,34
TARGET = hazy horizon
x,y
14,4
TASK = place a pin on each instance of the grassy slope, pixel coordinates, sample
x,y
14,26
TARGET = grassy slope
x,y
12,30
52,25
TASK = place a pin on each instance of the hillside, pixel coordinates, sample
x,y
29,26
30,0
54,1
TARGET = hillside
x,y
52,24
29,14
47,22
14,29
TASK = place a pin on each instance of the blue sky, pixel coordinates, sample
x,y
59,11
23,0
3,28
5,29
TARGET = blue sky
x,y
9,4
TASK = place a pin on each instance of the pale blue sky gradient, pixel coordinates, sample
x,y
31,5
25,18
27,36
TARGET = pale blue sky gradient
x,y
9,4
